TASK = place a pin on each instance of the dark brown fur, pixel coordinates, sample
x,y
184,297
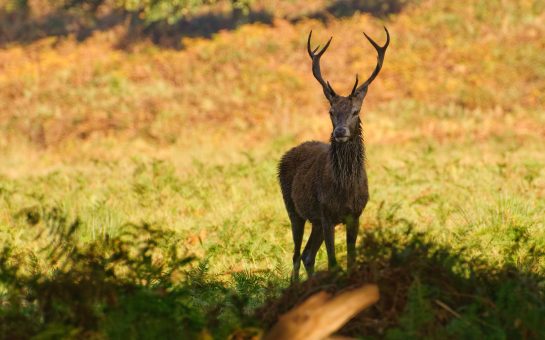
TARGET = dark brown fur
x,y
326,184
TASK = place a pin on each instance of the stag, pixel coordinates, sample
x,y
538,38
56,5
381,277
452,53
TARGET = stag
x,y
326,184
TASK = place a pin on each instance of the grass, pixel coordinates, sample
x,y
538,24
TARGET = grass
x,y
187,142
476,194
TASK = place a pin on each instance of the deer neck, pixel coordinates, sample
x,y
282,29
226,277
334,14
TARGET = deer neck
x,y
347,159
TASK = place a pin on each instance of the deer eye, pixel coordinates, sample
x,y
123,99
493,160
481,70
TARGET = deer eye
x,y
356,113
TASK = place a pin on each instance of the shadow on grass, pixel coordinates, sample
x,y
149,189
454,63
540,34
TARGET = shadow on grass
x,y
20,27
140,285
82,21
134,285
347,8
205,25
428,291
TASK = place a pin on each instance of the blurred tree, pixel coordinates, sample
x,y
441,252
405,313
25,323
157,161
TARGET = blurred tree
x,y
11,6
171,11
156,10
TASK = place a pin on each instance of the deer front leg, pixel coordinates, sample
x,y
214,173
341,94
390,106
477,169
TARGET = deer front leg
x,y
313,245
352,226
329,238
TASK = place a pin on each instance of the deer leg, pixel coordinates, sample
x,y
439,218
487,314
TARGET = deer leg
x,y
329,237
352,226
311,249
297,230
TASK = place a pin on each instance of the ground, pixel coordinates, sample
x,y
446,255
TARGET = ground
x,y
187,140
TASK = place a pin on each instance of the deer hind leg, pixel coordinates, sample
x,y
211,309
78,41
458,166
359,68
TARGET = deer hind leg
x,y
329,238
311,249
352,226
297,230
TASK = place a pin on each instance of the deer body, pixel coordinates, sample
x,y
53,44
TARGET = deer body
x,y
326,184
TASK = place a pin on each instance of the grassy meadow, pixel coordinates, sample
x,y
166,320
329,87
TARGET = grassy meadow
x,y
170,155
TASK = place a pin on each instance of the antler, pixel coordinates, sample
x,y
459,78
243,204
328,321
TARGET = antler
x,y
381,51
328,90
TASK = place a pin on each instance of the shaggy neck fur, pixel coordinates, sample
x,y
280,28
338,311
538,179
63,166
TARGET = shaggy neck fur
x,y
348,159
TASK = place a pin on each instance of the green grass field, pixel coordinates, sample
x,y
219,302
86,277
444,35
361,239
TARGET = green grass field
x,y
187,141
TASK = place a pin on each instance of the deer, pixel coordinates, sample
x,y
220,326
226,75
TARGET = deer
x,y
326,183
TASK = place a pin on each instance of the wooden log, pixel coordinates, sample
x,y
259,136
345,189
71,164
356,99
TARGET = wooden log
x,y
321,315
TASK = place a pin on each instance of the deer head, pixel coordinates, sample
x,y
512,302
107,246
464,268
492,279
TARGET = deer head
x,y
344,111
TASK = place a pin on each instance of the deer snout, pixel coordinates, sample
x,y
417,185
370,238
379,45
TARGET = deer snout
x,y
341,134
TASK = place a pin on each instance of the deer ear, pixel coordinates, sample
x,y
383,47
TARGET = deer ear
x,y
329,92
360,93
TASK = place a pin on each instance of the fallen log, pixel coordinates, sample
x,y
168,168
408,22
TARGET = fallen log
x,y
321,315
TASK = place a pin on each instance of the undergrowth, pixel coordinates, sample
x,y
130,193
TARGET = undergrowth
x,y
138,285
134,285
429,291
